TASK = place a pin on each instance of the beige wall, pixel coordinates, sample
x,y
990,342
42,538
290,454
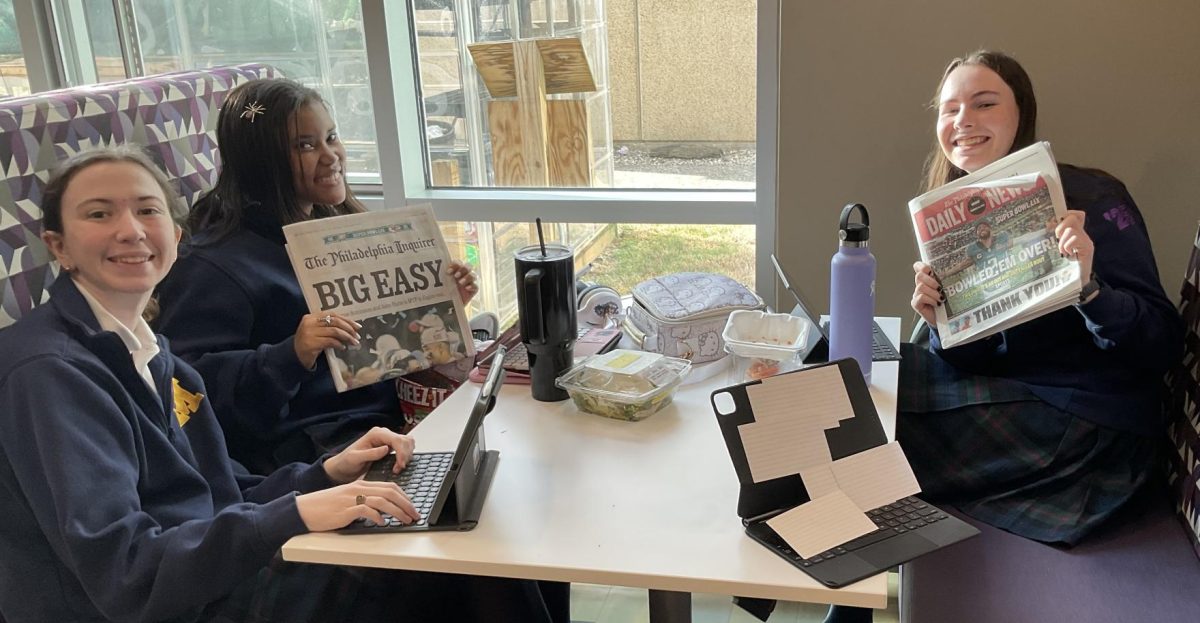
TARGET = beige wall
x,y
682,70
1118,88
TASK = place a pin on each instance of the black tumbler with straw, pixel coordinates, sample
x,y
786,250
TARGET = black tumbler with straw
x,y
546,304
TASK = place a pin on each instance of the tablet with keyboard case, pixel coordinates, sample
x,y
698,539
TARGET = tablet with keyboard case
x,y
448,488
905,529
818,346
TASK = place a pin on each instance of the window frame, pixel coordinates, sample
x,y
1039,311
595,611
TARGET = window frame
x,y
392,62
43,64
401,153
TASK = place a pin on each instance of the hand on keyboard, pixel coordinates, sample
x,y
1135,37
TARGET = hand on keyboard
x,y
337,507
351,463
421,479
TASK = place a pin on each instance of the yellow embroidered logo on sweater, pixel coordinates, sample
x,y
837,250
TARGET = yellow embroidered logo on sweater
x,y
186,403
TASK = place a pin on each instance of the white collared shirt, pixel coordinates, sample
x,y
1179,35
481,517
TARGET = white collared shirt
x,y
142,344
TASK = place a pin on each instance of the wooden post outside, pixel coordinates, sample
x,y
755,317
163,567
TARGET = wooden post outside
x,y
536,142
508,160
570,144
531,101
445,172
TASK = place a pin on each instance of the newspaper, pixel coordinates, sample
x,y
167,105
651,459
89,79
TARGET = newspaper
x,y
385,269
989,238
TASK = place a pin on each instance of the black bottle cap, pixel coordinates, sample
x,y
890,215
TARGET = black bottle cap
x,y
854,232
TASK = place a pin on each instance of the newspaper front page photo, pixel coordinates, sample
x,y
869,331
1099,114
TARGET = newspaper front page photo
x,y
989,238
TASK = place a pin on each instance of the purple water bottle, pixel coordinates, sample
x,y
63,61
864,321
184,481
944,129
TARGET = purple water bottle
x,y
852,292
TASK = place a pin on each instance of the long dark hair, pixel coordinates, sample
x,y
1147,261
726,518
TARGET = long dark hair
x,y
939,169
256,171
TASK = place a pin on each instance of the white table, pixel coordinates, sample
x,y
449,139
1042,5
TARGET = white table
x,y
582,498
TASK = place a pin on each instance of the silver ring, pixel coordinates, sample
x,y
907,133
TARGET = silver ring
x,y
327,320
360,500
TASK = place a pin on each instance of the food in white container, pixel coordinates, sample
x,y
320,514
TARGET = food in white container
x,y
624,384
765,344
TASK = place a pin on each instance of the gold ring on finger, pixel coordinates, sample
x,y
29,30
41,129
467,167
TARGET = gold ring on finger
x,y
360,500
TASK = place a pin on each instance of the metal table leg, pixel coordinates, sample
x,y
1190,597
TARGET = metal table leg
x,y
670,607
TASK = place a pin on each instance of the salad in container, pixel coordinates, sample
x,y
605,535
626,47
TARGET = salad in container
x,y
624,384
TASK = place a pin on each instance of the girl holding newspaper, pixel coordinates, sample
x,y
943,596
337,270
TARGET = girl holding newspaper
x,y
233,307
1048,428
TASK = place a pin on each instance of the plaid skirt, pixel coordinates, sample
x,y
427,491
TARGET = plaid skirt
x,y
991,448
286,592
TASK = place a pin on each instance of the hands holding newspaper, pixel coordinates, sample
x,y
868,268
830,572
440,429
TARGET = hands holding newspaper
x,y
320,331
465,278
317,332
1073,243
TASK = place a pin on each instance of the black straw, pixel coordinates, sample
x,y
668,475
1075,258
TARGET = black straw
x,y
541,241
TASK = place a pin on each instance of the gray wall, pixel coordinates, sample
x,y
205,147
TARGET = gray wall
x,y
1118,88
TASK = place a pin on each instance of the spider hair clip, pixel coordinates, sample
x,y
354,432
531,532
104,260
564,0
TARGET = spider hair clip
x,y
252,111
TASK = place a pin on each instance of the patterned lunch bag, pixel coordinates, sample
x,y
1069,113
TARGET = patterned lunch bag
x,y
683,314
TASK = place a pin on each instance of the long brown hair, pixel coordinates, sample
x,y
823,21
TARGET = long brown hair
x,y
939,169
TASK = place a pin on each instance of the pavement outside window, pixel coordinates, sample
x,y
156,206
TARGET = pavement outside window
x,y
684,166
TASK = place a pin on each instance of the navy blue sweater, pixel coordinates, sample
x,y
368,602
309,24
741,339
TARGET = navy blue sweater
x,y
231,309
1103,361
112,509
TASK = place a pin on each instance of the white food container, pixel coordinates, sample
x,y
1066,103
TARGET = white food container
x,y
624,384
764,344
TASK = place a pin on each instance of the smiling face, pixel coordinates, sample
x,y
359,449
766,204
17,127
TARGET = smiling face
x,y
118,239
977,117
318,157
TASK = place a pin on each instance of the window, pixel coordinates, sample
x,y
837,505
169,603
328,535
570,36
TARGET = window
x,y
669,99
91,43
13,77
316,42
671,130
13,73
612,254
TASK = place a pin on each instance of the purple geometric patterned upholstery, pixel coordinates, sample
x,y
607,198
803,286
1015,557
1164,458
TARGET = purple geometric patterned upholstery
x,y
174,115
1184,407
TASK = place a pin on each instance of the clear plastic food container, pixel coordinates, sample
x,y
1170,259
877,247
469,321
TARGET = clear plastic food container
x,y
624,384
765,344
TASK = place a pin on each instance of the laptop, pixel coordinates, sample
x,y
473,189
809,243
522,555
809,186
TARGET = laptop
x,y
448,488
882,347
905,529
589,341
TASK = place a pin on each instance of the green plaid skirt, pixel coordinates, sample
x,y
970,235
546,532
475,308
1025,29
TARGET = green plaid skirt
x,y
285,592
992,449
